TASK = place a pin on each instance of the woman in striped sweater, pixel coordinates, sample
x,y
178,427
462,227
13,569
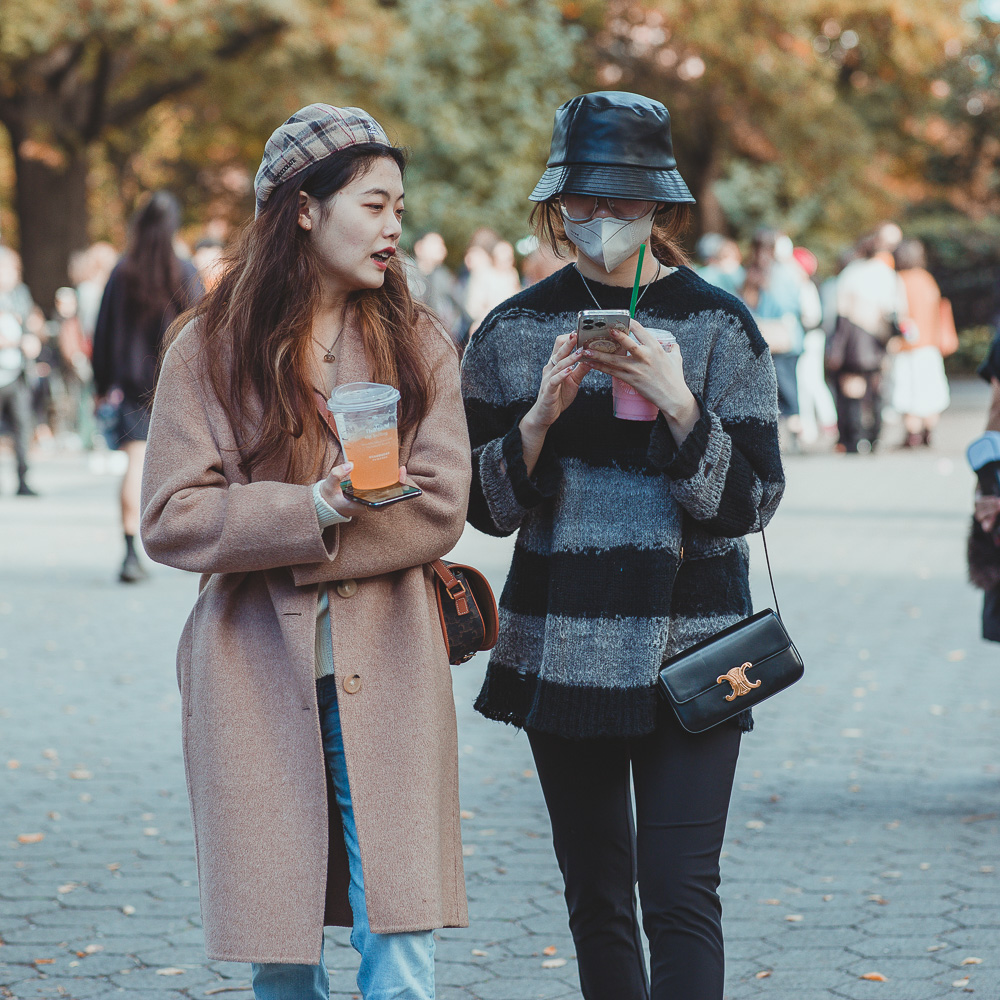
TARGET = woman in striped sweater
x,y
630,543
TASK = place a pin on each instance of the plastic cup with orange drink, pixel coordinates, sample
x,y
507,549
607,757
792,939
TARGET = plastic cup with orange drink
x,y
365,413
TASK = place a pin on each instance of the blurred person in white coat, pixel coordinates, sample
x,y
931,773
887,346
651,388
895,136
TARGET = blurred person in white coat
x,y
817,410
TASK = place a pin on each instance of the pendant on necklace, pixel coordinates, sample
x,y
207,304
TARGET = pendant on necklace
x,y
329,358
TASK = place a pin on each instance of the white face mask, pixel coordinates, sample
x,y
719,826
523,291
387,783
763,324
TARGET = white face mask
x,y
609,241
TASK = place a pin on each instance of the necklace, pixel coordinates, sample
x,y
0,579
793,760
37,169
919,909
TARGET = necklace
x,y
637,301
330,357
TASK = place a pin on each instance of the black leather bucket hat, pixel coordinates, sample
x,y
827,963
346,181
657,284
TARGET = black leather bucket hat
x,y
612,143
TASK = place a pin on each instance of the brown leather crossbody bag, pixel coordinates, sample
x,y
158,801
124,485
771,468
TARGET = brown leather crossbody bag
x,y
465,602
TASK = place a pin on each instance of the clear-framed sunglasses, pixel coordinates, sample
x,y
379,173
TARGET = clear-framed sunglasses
x,y
583,207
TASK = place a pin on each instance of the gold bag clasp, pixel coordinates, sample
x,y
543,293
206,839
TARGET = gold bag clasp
x,y
737,678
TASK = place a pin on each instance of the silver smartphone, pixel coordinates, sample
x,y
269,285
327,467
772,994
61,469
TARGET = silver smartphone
x,y
594,326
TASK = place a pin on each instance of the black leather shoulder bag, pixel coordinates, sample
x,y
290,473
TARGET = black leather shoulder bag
x,y
735,669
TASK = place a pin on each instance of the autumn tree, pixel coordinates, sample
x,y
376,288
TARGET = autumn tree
x,y
75,72
795,113
471,87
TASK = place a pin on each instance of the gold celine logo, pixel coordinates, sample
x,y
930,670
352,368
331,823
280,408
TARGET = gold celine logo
x,y
737,677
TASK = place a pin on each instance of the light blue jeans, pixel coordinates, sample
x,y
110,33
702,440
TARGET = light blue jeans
x,y
393,966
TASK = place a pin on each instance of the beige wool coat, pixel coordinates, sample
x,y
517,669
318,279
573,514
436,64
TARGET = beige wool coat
x,y
270,850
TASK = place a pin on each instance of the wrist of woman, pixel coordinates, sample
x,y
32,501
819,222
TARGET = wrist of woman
x,y
680,411
531,426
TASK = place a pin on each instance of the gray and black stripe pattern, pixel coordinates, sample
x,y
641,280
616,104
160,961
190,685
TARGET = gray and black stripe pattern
x,y
597,595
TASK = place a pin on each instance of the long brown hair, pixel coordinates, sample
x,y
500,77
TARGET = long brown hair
x,y
256,325
154,280
670,222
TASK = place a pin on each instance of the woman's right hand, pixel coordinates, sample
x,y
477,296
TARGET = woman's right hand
x,y
561,379
330,490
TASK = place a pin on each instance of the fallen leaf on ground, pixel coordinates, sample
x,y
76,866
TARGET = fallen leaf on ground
x,y
553,963
876,898
551,950
68,887
466,814
42,961
128,910
150,831
827,898
771,902
755,824
959,983
50,754
874,977
937,947
479,953
170,970
55,816
13,764
80,774
93,949
987,869
763,974
794,918
956,655
30,838
527,774
468,850
979,818
114,867
972,961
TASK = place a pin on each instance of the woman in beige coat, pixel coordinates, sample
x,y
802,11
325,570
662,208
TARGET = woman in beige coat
x,y
315,633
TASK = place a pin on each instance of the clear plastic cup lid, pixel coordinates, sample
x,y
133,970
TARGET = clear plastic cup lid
x,y
356,397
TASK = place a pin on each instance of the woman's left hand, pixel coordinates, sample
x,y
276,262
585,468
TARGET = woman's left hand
x,y
655,372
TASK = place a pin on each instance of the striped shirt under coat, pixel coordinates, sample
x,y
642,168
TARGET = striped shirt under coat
x,y
597,595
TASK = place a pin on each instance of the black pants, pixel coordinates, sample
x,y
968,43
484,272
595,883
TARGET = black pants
x,y
15,405
671,847
860,419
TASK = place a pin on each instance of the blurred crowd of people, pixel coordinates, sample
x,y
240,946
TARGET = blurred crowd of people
x,y
867,340
488,275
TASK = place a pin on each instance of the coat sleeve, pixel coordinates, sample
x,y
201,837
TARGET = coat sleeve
x,y
502,491
417,531
727,472
193,518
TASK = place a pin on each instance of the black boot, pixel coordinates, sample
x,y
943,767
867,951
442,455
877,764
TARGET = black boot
x,y
132,570
24,490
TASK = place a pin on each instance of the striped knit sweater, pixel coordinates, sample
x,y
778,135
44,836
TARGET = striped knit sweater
x,y
598,593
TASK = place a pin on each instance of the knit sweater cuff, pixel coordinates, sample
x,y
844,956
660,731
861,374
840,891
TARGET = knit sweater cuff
x,y
530,491
684,461
325,513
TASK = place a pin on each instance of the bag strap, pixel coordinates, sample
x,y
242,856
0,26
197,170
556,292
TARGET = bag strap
x,y
770,576
324,413
767,559
454,586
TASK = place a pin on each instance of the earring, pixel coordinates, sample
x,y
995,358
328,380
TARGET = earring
x,y
306,224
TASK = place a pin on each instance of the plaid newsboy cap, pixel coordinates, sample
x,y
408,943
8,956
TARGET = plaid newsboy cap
x,y
308,136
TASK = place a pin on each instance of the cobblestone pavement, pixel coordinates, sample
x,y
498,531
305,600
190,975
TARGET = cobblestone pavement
x,y
864,831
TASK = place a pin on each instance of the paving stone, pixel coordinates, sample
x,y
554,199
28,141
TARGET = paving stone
x,y
872,767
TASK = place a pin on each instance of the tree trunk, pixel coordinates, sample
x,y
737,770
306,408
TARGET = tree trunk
x,y
52,218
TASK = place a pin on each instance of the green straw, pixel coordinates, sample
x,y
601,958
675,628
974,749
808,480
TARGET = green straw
x,y
638,275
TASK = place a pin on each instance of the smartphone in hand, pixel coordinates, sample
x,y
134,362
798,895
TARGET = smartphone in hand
x,y
594,326
383,497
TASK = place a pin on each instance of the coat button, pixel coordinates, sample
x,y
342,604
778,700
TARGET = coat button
x,y
347,588
352,684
